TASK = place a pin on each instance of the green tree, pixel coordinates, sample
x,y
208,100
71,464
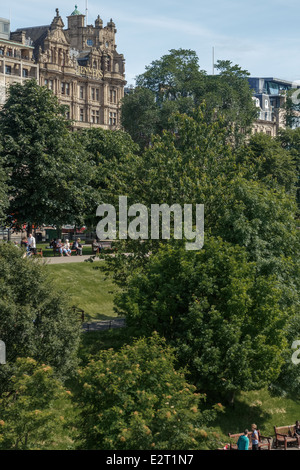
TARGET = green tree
x,y
265,159
134,399
224,319
35,318
48,173
174,75
289,139
35,411
140,115
110,154
243,204
178,85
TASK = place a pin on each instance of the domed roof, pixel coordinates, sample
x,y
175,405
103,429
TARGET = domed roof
x,y
76,12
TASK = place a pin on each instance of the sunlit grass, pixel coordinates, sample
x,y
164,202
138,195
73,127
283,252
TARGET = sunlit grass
x,y
87,287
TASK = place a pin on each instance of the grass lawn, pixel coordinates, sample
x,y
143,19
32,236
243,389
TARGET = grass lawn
x,y
260,408
48,252
87,287
256,407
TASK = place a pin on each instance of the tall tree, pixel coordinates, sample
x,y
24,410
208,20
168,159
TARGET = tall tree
x,y
48,173
179,85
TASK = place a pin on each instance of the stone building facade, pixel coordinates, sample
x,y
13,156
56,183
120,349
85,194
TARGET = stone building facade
x,y
16,59
82,67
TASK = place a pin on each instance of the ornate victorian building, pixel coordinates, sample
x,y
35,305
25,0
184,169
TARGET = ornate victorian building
x,y
82,67
16,59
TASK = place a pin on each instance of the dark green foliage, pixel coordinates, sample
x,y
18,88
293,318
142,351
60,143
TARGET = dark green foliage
x,y
175,83
35,319
48,173
222,317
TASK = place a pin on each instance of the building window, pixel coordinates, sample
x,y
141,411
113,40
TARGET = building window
x,y
112,119
8,70
25,73
68,113
81,115
95,117
51,84
93,93
62,88
67,88
113,96
97,94
81,92
9,53
1,51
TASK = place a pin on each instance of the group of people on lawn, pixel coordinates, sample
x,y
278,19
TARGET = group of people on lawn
x,y
65,248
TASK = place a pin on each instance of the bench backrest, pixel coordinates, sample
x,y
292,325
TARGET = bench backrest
x,y
287,430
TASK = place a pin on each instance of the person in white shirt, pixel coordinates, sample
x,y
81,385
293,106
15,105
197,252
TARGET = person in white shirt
x,y
66,248
31,245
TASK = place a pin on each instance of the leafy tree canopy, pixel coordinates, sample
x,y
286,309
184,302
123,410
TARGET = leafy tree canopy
x,y
35,410
224,319
135,399
175,83
48,172
35,319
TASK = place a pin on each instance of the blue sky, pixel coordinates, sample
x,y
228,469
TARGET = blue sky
x,y
262,36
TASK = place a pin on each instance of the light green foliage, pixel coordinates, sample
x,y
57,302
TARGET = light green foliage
x,y
135,399
35,410
35,318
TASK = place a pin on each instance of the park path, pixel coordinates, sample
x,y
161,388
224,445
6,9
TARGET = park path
x,y
103,324
68,259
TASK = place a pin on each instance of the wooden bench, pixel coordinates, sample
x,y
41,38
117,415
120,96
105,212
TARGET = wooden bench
x,y
263,441
56,252
284,435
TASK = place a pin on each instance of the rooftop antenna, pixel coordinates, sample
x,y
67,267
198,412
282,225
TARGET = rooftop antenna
x,y
86,12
